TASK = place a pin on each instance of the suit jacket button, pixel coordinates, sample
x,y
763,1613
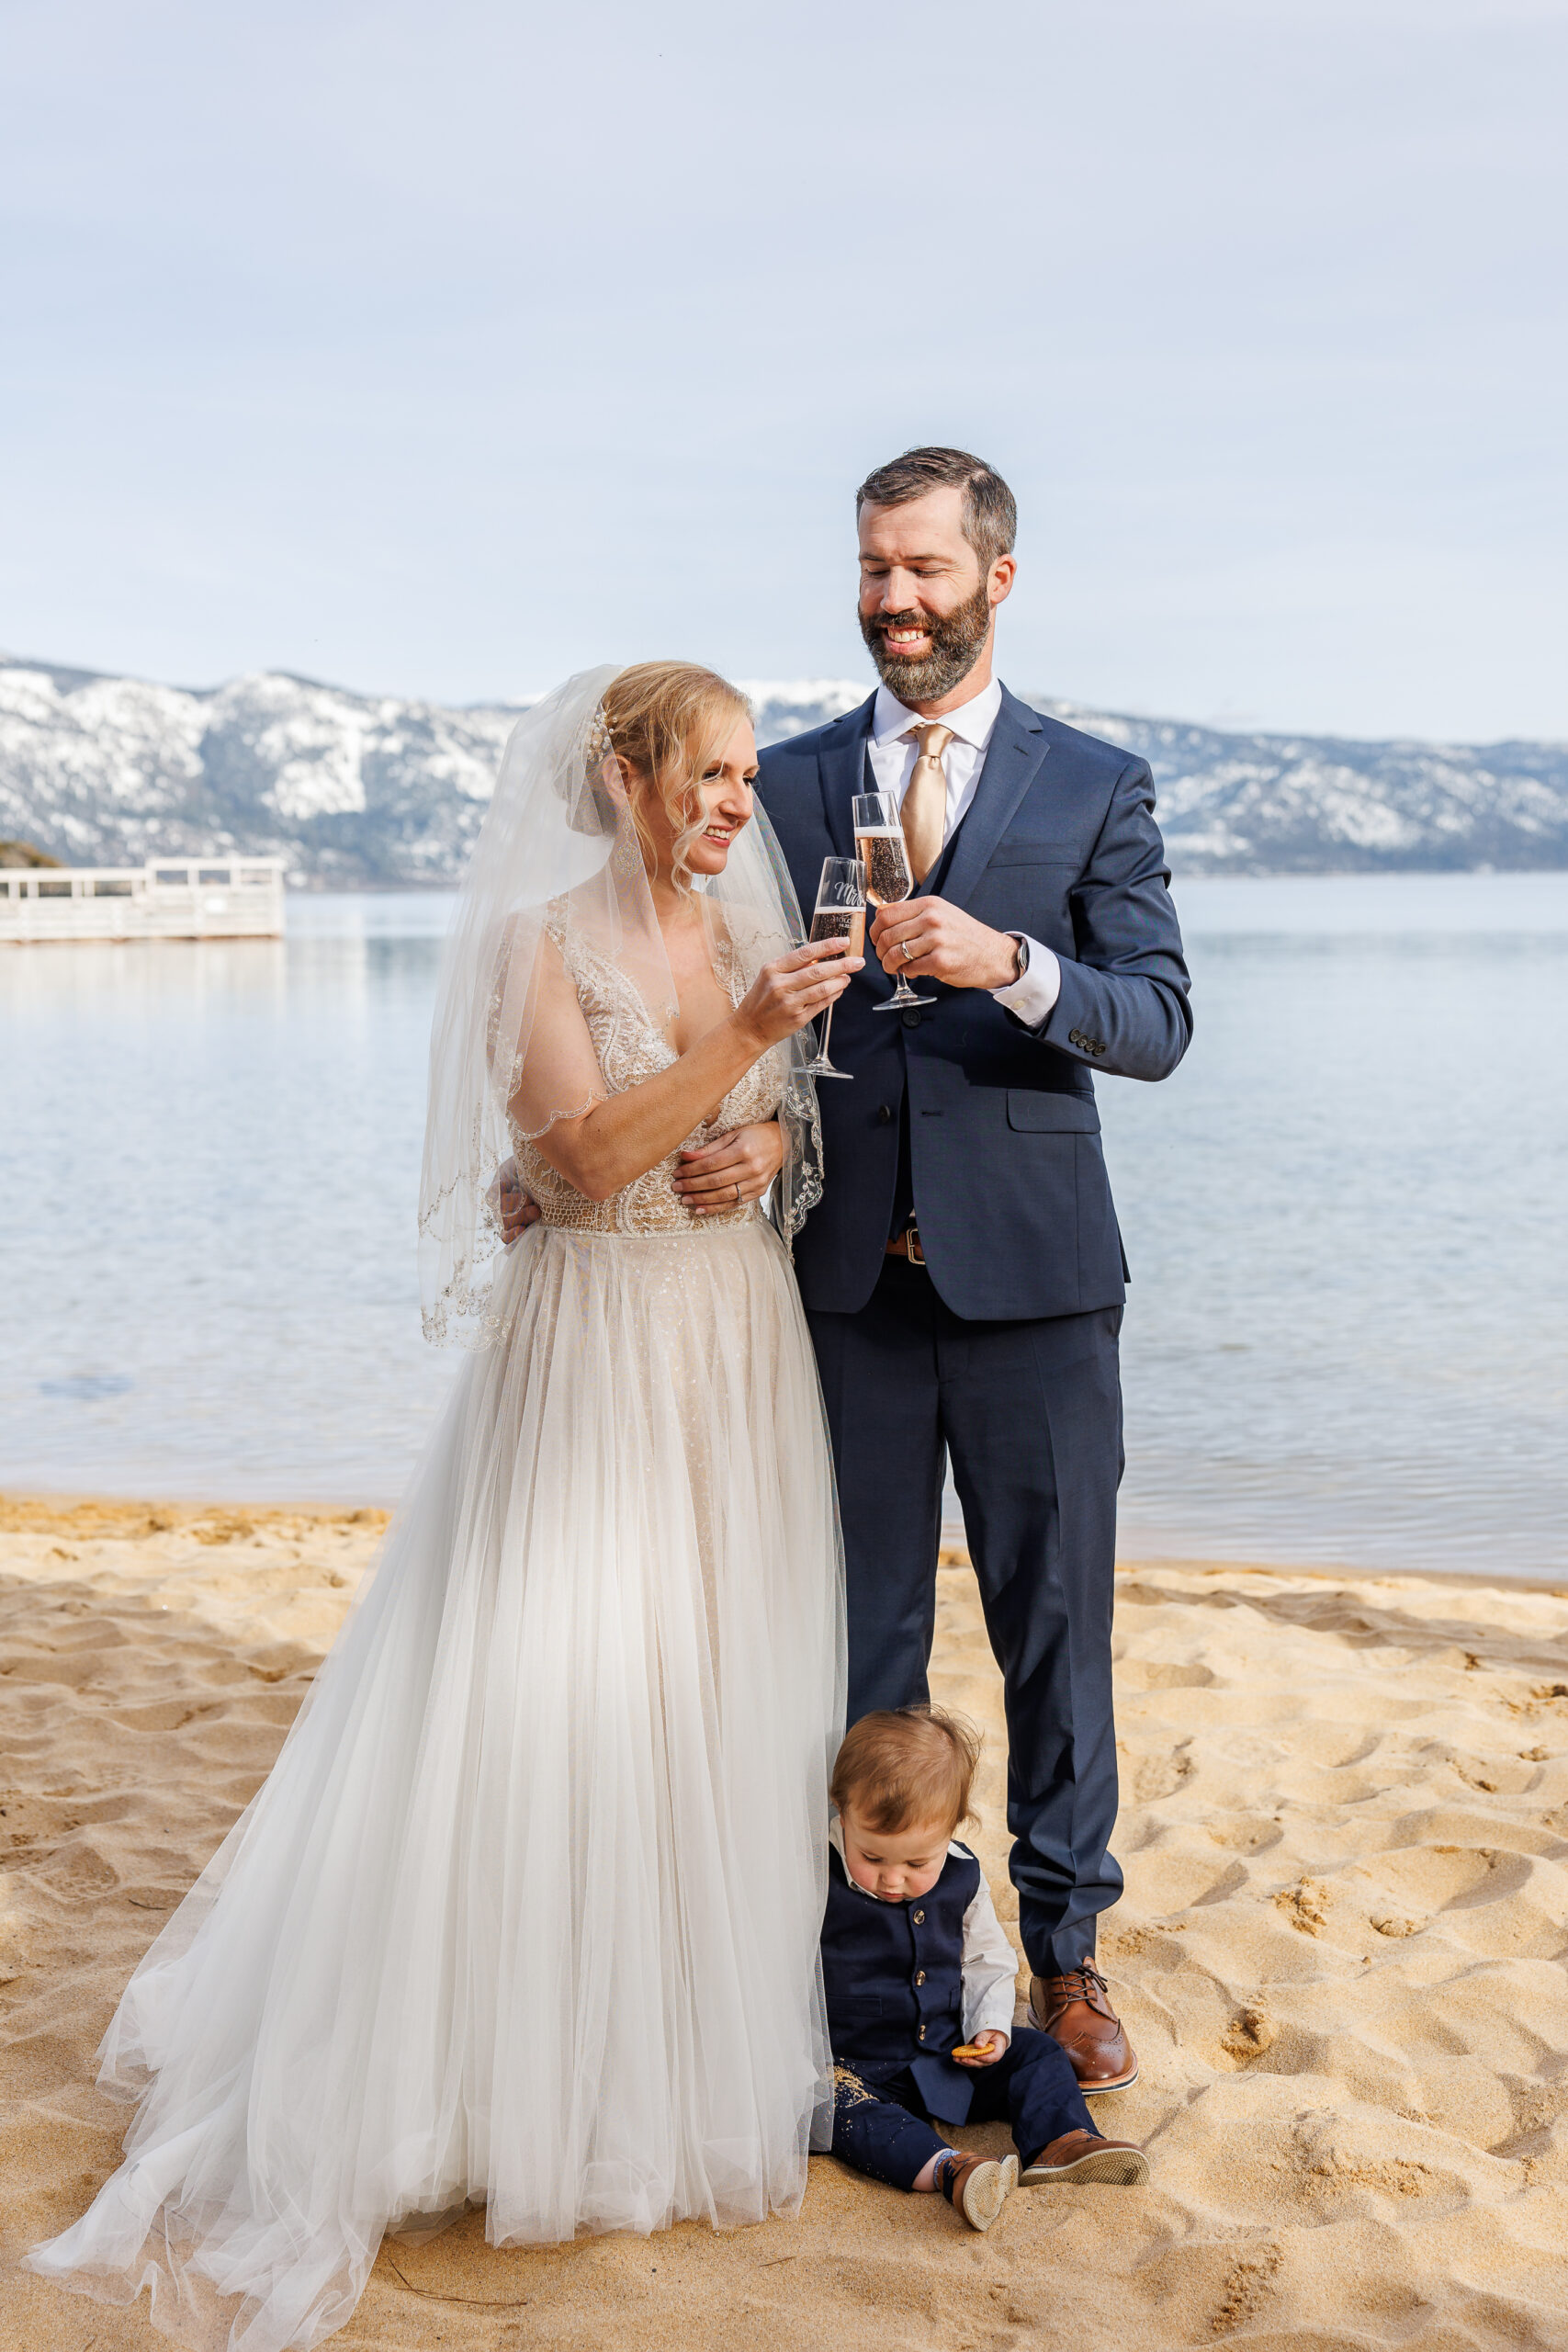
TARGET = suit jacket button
x,y
922,2033
919,1975
911,1019
919,1918
885,1115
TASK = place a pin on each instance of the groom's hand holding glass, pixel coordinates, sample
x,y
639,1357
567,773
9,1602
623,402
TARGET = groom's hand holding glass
x,y
930,939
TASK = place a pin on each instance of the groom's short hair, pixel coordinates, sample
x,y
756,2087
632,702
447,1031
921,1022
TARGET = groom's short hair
x,y
990,511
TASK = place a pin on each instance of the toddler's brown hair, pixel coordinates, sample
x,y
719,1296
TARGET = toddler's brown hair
x,y
906,1765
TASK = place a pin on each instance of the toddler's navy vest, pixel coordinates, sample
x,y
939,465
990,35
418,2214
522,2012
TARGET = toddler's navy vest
x,y
893,1974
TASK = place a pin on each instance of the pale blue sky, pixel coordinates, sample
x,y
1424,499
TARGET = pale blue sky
x,y
443,348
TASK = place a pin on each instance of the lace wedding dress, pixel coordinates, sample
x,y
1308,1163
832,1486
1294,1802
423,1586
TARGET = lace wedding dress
x,y
526,1913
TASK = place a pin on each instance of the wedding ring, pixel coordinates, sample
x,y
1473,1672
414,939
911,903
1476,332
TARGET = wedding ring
x,y
904,946
738,1195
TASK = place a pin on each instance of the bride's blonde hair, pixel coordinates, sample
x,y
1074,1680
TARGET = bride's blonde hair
x,y
666,721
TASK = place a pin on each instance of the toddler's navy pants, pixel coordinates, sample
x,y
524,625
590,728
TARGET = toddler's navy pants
x,y
884,2129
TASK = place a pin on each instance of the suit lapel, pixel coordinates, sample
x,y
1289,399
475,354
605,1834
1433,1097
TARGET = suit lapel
x,y
842,764
1013,759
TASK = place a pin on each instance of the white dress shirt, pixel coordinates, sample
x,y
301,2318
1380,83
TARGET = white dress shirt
x,y
893,750
989,1964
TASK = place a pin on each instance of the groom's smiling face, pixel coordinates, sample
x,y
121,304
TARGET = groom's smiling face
x,y
927,606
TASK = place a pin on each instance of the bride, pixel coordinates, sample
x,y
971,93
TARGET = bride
x,y
526,1913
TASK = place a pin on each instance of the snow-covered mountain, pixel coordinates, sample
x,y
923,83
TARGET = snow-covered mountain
x,y
365,789
353,789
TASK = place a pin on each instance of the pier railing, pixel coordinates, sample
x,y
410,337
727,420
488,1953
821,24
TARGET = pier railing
x,y
209,898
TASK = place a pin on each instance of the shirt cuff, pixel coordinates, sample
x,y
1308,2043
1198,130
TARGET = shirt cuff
x,y
993,2012
1031,997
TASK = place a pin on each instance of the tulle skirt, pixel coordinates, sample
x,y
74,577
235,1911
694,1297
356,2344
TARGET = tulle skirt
x,y
526,1913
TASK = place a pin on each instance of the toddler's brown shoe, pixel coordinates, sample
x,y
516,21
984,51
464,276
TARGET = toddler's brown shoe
x,y
978,2187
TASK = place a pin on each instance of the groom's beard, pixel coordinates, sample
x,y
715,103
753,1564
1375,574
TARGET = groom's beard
x,y
957,641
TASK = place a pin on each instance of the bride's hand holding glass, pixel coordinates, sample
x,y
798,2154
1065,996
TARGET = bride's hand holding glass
x,y
787,994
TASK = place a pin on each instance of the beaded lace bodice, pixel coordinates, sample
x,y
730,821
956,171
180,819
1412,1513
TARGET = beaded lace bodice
x,y
630,1051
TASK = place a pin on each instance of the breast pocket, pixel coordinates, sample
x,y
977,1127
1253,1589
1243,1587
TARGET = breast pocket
x,y
1025,887
1029,853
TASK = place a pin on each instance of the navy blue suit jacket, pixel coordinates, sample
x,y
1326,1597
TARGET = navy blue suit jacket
x,y
1011,1196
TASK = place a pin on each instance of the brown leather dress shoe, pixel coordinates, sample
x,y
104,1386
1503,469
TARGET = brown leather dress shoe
x,y
1076,2010
1078,2156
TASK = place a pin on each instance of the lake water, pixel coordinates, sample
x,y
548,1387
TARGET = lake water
x,y
1346,1337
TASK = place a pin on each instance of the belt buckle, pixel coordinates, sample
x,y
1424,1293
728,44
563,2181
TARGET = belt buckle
x,y
917,1256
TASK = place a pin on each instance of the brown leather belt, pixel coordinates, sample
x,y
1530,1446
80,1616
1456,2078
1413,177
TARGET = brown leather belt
x,y
908,1245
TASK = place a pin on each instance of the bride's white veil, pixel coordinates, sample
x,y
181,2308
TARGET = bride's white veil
x,y
557,837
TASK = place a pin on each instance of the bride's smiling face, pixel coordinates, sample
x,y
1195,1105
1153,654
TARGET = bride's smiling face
x,y
726,803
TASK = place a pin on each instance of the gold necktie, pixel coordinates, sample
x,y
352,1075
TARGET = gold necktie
x,y
925,801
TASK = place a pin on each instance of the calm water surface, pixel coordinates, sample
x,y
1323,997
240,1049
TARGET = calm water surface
x,y
1345,1338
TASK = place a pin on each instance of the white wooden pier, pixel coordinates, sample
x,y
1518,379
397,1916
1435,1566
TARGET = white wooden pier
x,y
209,898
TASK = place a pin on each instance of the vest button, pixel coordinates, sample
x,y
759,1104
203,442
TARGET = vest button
x,y
919,1975
885,1115
922,2033
920,1918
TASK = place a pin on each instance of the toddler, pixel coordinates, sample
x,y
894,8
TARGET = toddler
x,y
919,1983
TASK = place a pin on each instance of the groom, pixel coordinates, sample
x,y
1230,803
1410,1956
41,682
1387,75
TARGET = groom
x,y
962,1276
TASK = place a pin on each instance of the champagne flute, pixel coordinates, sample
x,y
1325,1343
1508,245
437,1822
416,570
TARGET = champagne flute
x,y
840,914
879,838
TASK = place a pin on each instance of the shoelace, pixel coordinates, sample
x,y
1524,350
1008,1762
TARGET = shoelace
x,y
1077,1985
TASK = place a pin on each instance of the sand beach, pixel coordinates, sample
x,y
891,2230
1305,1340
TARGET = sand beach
x,y
1345,1830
